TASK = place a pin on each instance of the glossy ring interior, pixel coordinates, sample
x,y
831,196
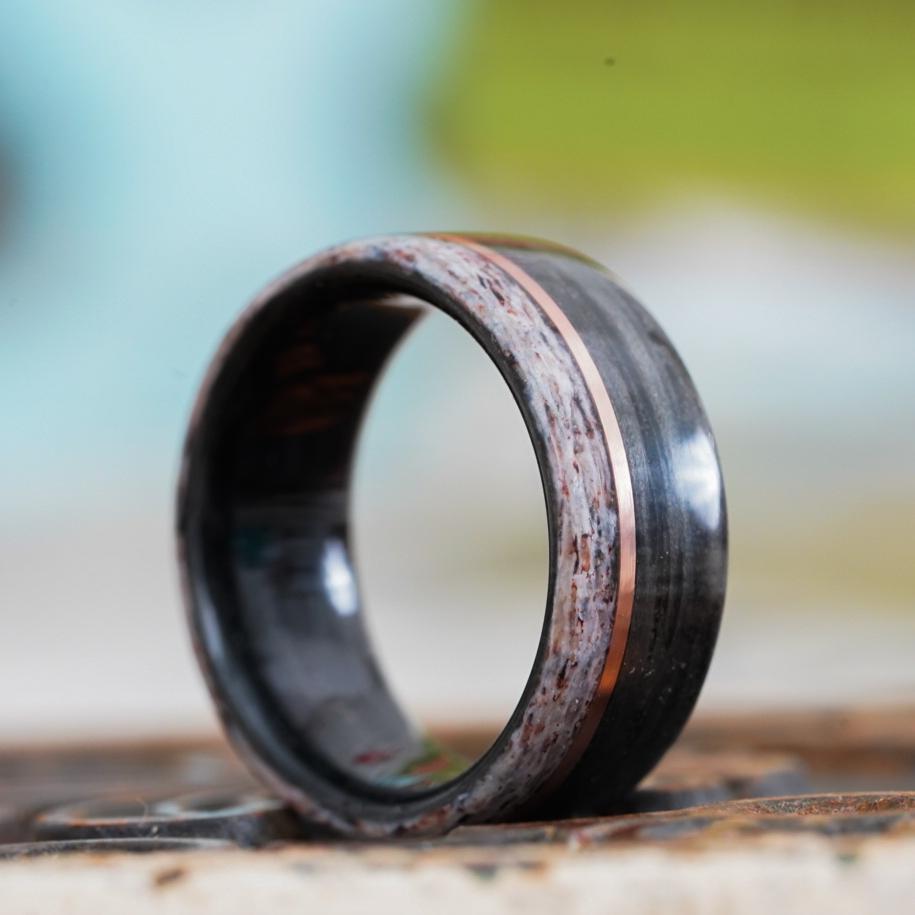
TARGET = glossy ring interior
x,y
635,509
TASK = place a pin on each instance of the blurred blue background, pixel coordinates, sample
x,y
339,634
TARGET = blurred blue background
x,y
160,162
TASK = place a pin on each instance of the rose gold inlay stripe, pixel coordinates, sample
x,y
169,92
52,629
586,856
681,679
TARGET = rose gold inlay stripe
x,y
619,466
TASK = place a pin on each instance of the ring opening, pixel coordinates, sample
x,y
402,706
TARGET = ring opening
x,y
269,548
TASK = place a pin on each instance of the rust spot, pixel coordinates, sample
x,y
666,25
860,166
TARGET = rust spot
x,y
168,876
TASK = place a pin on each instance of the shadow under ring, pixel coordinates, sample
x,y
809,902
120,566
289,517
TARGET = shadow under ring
x,y
636,524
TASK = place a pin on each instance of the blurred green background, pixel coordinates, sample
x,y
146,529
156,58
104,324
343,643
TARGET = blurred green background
x,y
590,107
748,170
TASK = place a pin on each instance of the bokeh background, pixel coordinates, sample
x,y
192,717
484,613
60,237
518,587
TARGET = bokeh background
x,y
748,169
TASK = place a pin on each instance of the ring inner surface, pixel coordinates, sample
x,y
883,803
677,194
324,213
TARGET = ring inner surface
x,y
274,455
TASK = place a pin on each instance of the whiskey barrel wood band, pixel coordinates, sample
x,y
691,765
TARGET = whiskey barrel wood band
x,y
635,509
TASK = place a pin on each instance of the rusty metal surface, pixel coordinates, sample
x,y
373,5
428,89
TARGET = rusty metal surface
x,y
843,749
739,777
129,845
249,819
760,797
